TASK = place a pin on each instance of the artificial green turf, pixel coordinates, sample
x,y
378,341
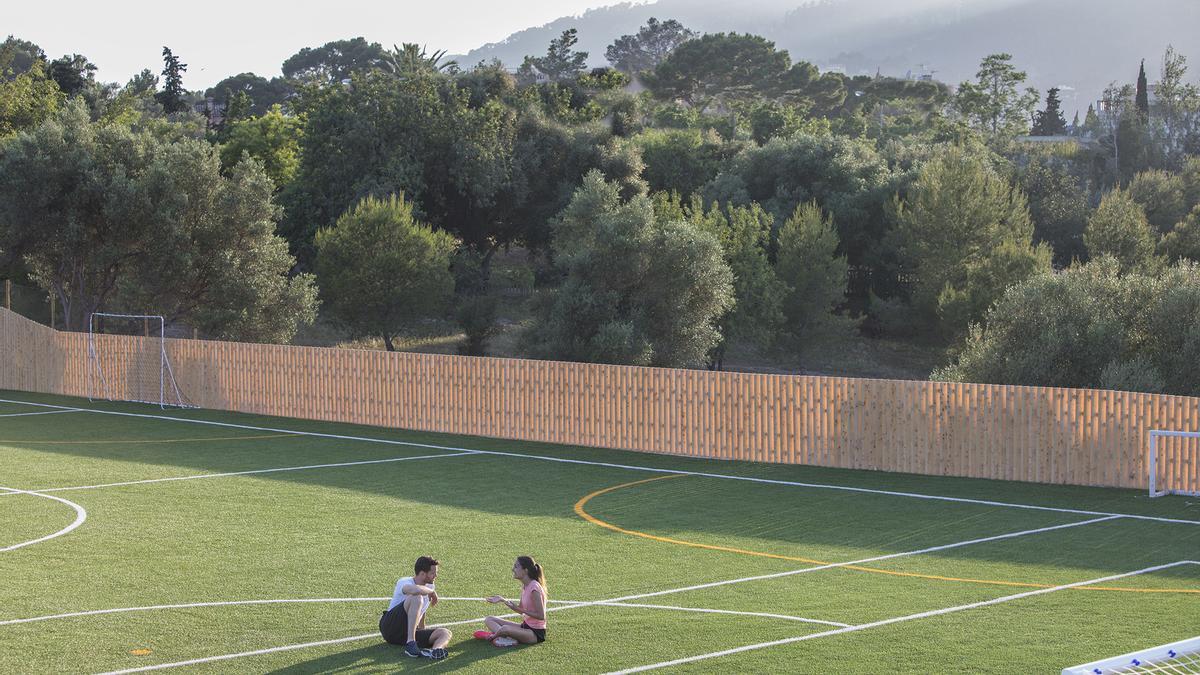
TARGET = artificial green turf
x,y
350,531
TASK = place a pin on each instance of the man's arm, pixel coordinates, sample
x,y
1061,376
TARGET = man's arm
x,y
416,589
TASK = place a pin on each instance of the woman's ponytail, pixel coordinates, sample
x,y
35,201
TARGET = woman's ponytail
x,y
533,569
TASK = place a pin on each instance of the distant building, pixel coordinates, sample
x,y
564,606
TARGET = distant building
x,y
212,109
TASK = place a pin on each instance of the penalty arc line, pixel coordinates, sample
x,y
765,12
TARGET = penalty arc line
x,y
822,486
80,516
899,619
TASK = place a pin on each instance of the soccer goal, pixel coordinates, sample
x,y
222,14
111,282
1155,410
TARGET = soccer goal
x,y
1174,463
1177,657
127,361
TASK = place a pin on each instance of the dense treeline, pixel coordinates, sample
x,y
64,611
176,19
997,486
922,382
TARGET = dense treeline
x,y
705,191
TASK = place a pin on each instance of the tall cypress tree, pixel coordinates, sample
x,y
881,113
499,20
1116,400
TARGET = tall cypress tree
x,y
1050,121
1143,97
172,95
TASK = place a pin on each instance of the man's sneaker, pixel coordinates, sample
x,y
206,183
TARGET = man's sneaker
x,y
484,635
505,641
411,649
435,653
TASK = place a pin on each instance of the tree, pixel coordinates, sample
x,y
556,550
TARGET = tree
x,y
1091,122
1191,181
719,67
813,274
1177,116
273,139
744,233
73,74
1058,205
847,177
27,100
1161,196
412,59
1050,122
1117,108
560,61
636,290
18,56
379,268
418,136
263,93
1183,241
1119,229
652,44
1142,96
108,218
1090,326
172,97
993,103
333,61
683,160
965,233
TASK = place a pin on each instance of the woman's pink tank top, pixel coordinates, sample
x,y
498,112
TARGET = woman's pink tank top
x,y
527,601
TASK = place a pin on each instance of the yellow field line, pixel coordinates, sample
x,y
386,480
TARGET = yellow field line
x,y
582,513
164,440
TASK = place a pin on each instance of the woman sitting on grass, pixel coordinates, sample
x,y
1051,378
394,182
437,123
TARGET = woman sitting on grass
x,y
532,607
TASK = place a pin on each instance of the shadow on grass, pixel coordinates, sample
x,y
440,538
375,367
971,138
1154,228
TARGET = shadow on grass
x,y
382,657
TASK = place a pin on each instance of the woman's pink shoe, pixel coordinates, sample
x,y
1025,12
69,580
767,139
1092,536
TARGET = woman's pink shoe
x,y
484,635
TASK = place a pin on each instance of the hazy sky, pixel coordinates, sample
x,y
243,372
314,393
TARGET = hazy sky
x,y
217,38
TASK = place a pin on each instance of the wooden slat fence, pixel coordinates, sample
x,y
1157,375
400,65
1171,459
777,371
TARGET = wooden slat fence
x,y
1039,434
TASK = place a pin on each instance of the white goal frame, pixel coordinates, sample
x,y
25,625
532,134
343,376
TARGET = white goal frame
x,y
1143,661
1152,462
97,383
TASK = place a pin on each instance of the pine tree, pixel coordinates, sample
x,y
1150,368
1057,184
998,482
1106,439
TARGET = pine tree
x,y
1050,121
172,95
1091,122
1075,124
1143,97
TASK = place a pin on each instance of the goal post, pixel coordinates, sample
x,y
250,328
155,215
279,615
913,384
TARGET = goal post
x,y
1177,657
1173,463
127,360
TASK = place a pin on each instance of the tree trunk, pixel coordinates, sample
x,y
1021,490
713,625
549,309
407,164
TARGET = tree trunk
x,y
387,342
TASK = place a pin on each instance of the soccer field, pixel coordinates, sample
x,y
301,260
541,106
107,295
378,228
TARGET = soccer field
x,y
133,538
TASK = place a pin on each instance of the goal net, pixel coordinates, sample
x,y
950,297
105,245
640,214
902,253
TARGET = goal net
x,y
1174,463
127,360
1177,657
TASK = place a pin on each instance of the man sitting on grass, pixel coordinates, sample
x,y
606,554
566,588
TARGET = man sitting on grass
x,y
404,621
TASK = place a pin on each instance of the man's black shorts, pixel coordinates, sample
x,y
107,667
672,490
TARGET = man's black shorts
x,y
393,626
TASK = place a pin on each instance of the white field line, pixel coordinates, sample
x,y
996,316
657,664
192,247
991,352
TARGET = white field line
x,y
255,471
297,601
607,602
765,615
821,486
899,619
46,412
80,516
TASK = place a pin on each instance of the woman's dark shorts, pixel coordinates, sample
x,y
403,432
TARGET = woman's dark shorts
x,y
539,632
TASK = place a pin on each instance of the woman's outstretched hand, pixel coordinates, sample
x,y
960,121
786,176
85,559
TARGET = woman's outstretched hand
x,y
494,599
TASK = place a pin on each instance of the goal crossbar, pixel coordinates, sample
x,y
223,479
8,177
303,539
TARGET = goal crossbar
x,y
1156,487
1177,657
